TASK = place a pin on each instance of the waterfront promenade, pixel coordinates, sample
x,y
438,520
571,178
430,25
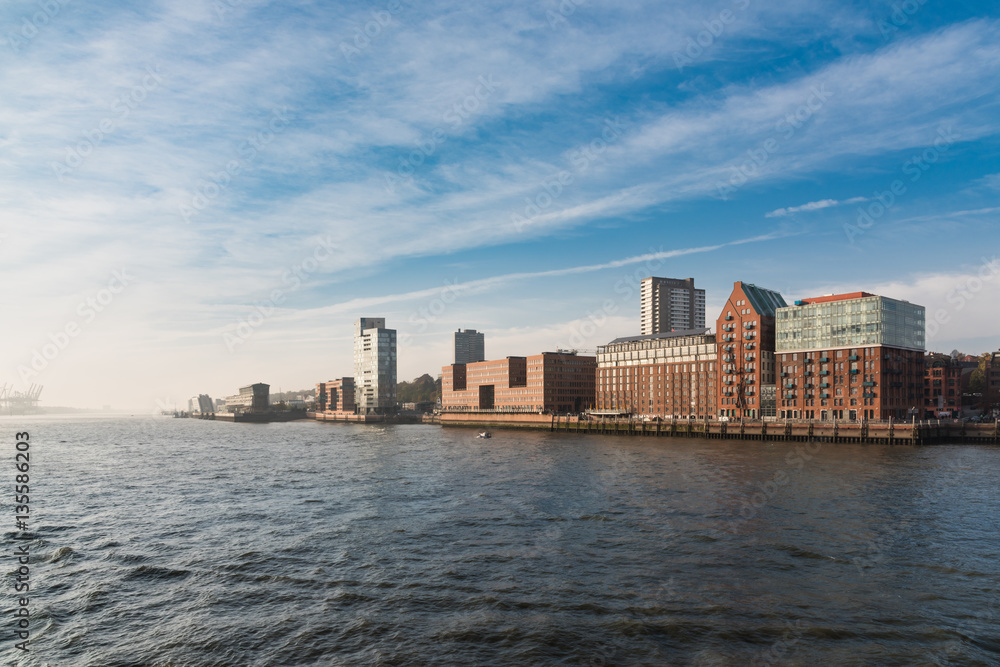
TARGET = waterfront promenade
x,y
887,433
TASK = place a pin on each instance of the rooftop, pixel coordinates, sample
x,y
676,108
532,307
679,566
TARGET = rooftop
x,y
670,334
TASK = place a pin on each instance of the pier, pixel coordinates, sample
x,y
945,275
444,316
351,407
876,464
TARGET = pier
x,y
875,433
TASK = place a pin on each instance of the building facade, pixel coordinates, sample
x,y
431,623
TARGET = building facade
x,y
671,304
942,386
470,346
850,356
252,398
374,366
991,387
669,375
745,341
559,382
336,396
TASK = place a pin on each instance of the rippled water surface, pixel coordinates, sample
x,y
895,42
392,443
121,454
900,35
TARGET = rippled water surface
x,y
186,542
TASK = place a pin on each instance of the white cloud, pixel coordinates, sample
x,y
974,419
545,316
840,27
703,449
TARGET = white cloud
x,y
813,206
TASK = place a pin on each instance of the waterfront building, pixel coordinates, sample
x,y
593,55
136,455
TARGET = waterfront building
x,y
374,366
470,346
205,404
252,398
336,396
991,388
659,375
192,405
745,341
850,356
551,381
671,304
942,386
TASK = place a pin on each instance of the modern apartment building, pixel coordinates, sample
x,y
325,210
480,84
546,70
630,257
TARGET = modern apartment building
x,y
850,356
671,304
659,375
470,346
374,366
552,381
252,398
942,386
336,396
745,338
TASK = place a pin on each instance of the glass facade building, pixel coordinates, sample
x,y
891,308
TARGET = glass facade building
x,y
857,322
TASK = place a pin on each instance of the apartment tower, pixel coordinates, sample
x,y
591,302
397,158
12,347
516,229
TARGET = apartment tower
x,y
470,346
671,304
374,366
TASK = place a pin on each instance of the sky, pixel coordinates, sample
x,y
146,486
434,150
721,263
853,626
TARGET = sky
x,y
198,195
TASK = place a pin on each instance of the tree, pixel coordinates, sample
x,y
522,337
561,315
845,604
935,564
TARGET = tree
x,y
977,381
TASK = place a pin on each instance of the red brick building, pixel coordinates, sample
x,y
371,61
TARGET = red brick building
x,y
850,356
335,396
658,375
552,381
745,340
991,389
942,386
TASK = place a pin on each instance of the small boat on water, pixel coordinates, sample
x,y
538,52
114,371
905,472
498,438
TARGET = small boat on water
x,y
485,434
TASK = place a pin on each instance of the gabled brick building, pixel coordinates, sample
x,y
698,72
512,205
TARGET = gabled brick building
x,y
745,338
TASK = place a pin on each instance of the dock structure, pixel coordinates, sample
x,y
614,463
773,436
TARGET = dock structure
x,y
881,433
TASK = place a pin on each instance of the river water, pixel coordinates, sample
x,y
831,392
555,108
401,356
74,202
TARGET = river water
x,y
173,542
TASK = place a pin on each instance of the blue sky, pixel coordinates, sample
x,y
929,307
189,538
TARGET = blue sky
x,y
265,173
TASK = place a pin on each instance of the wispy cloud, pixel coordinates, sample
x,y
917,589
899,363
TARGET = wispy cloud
x,y
812,206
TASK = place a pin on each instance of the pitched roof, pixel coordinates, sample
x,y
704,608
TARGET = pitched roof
x,y
763,300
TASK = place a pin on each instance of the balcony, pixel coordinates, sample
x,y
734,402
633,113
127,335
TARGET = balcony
x,y
824,384
789,395
869,395
784,374
824,360
789,385
853,357
824,395
729,317
824,372
867,384
854,371
808,373
807,361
